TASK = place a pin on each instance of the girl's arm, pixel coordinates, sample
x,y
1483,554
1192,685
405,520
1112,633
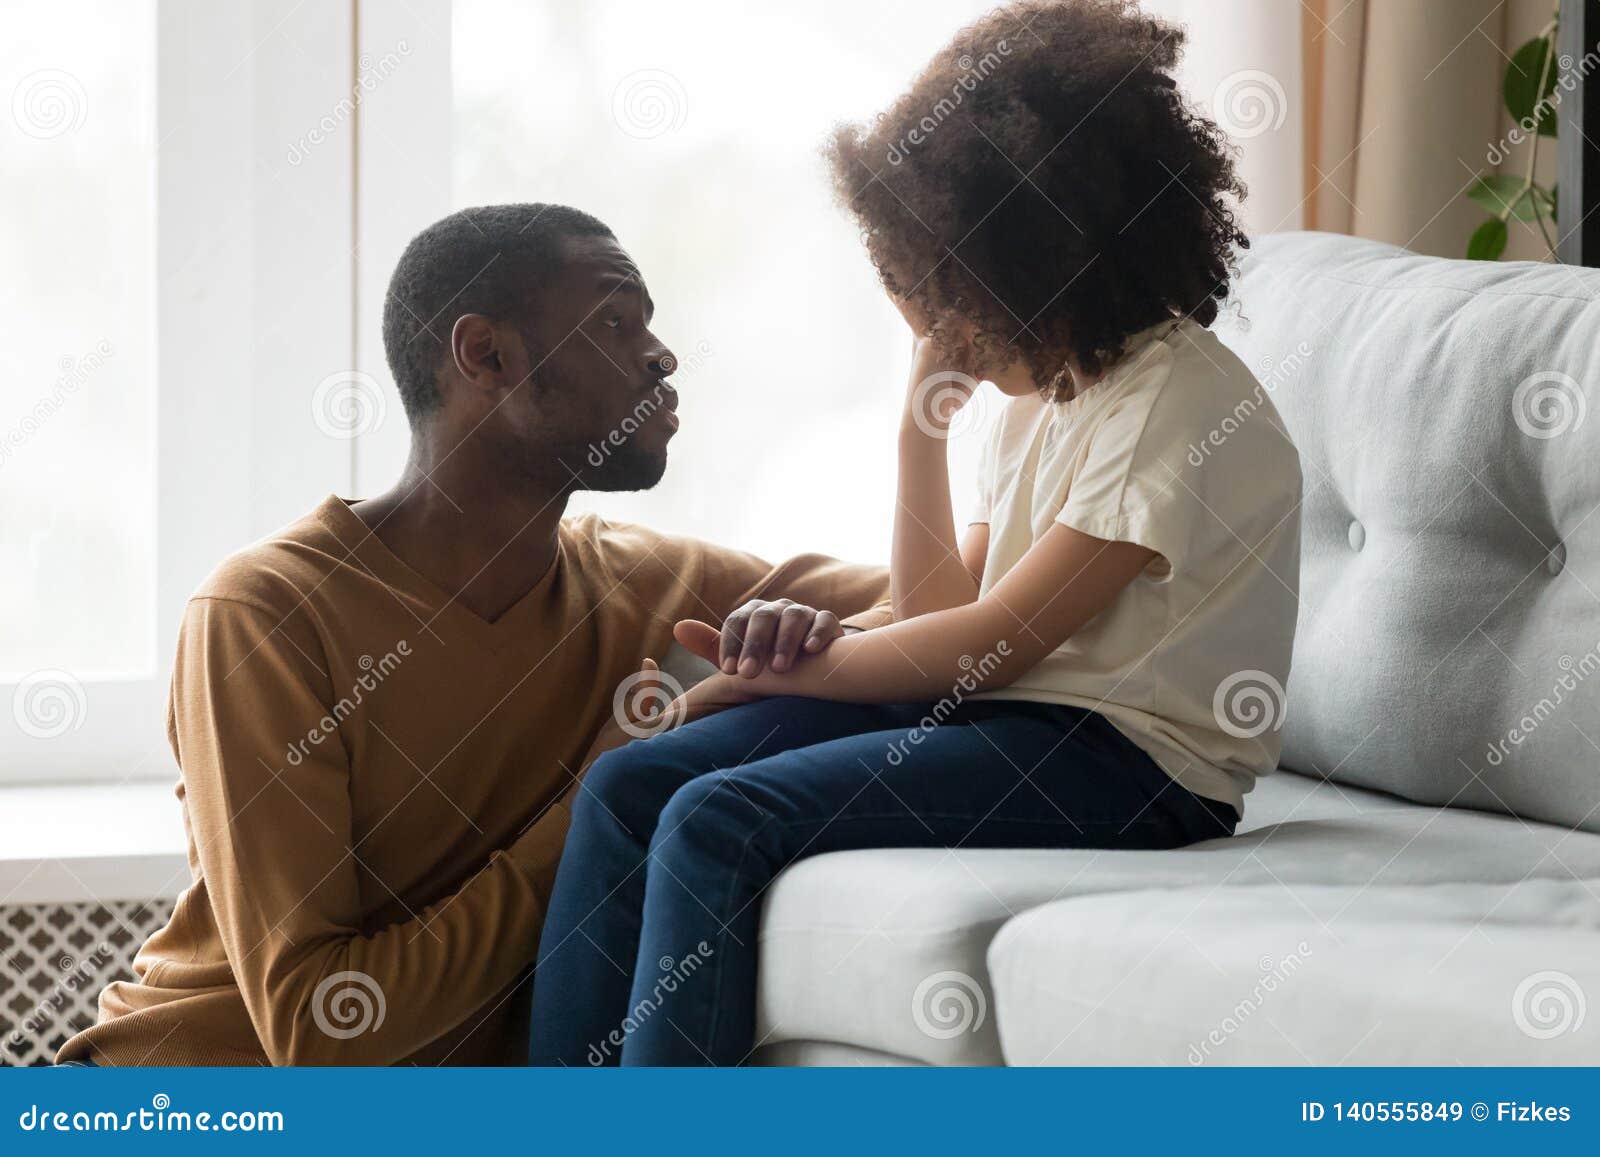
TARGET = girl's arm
x,y
927,570
1066,579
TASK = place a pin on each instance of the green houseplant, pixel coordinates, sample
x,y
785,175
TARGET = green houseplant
x,y
1530,80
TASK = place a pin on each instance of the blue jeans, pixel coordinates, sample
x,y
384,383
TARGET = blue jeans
x,y
648,954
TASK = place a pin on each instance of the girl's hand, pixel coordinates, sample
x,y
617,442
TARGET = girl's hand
x,y
709,696
939,387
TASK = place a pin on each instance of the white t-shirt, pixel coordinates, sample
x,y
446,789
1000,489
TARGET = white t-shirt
x,y
1179,449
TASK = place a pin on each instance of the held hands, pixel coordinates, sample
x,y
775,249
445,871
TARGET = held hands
x,y
759,636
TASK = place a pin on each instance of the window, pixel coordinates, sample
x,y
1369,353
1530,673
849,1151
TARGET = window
x,y
693,131
203,206
175,289
77,372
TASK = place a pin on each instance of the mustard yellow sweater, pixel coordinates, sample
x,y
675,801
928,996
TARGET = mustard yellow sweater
x,y
372,781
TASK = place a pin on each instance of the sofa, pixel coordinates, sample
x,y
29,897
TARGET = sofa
x,y
1419,882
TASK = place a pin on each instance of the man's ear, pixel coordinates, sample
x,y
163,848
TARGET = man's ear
x,y
474,346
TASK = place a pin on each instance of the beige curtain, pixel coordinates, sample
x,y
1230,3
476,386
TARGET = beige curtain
x,y
1403,111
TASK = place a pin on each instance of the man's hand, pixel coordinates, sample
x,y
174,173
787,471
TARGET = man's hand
x,y
759,635
651,701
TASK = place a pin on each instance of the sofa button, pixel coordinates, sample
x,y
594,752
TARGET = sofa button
x,y
1556,559
1358,536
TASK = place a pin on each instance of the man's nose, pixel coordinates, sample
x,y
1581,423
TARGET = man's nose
x,y
661,363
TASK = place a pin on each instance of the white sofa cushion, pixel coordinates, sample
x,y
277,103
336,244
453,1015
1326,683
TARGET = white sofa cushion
x,y
885,949
1448,647
1453,974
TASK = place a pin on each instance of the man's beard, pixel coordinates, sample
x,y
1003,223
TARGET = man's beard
x,y
624,467
614,460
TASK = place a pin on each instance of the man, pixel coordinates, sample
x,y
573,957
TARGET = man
x,y
378,710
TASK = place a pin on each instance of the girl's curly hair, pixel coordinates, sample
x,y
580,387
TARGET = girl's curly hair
x,y
1045,181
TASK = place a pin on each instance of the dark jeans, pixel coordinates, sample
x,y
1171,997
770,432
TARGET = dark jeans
x,y
649,949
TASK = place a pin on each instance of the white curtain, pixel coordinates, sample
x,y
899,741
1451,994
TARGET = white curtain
x,y
1243,66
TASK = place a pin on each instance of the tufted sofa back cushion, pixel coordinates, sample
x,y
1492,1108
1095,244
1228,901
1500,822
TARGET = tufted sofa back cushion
x,y
1448,647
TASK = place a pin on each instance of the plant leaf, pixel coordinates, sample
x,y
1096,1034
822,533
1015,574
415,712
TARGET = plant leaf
x,y
1488,242
1500,194
1522,89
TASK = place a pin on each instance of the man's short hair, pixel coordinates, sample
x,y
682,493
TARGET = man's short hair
x,y
489,260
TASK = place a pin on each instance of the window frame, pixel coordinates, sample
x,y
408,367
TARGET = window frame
x,y
237,448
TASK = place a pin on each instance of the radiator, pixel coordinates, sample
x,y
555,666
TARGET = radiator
x,y
55,959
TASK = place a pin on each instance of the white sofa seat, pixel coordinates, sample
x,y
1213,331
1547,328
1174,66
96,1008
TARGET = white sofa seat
x,y
885,950
1454,974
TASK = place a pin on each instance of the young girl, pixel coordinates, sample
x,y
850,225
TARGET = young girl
x,y
1049,215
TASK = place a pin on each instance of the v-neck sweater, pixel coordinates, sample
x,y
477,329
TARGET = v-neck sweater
x,y
372,782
